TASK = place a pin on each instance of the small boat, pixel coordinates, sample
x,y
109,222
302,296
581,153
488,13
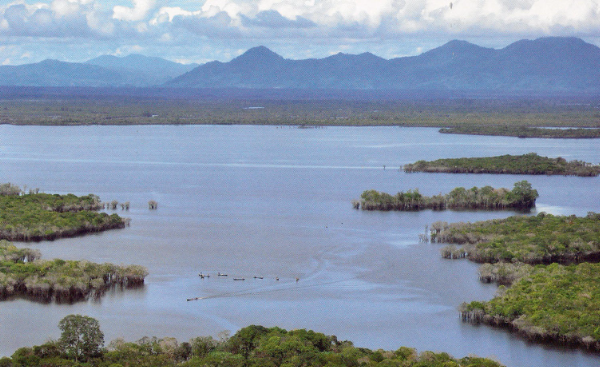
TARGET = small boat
x,y
202,276
239,279
258,277
221,274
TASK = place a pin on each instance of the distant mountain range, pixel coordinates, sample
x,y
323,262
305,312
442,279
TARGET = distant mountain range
x,y
552,64
103,71
143,70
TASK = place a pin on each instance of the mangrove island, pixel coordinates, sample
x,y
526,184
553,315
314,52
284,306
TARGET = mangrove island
x,y
540,239
522,196
22,272
526,164
36,216
545,300
547,303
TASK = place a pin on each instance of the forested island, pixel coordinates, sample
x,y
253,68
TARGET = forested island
x,y
36,216
552,303
523,131
23,273
540,239
251,346
526,164
522,196
545,301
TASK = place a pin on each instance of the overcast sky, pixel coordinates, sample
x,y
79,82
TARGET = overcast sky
x,y
204,30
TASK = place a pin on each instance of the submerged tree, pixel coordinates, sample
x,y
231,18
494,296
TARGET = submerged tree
x,y
81,337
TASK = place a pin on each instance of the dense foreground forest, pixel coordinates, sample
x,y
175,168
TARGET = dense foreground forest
x,y
523,131
81,344
36,216
522,196
526,164
23,273
544,302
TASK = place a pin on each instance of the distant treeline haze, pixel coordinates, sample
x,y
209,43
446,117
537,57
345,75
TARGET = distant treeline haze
x,y
526,164
347,110
522,131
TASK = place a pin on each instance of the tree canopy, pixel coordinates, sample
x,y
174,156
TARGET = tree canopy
x,y
253,345
81,337
39,216
543,238
526,164
522,196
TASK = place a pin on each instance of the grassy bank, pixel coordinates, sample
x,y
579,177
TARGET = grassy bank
x,y
526,164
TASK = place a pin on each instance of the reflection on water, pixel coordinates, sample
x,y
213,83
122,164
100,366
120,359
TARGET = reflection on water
x,y
276,203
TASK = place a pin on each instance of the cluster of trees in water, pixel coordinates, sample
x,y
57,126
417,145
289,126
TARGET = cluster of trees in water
x,y
523,131
544,238
526,164
22,272
522,196
82,344
554,303
36,216
545,300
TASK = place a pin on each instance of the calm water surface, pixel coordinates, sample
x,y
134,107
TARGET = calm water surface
x,y
276,202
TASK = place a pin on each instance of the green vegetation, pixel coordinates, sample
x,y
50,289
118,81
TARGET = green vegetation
x,y
23,273
251,346
544,238
53,107
552,303
81,338
38,216
522,196
546,303
522,131
526,164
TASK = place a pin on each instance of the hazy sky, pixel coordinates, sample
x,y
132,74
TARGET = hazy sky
x,y
204,30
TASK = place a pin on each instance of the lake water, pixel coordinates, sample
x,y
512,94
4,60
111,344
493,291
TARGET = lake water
x,y
276,202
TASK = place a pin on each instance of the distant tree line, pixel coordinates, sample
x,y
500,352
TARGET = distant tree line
x,y
82,344
526,164
319,108
522,131
522,196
